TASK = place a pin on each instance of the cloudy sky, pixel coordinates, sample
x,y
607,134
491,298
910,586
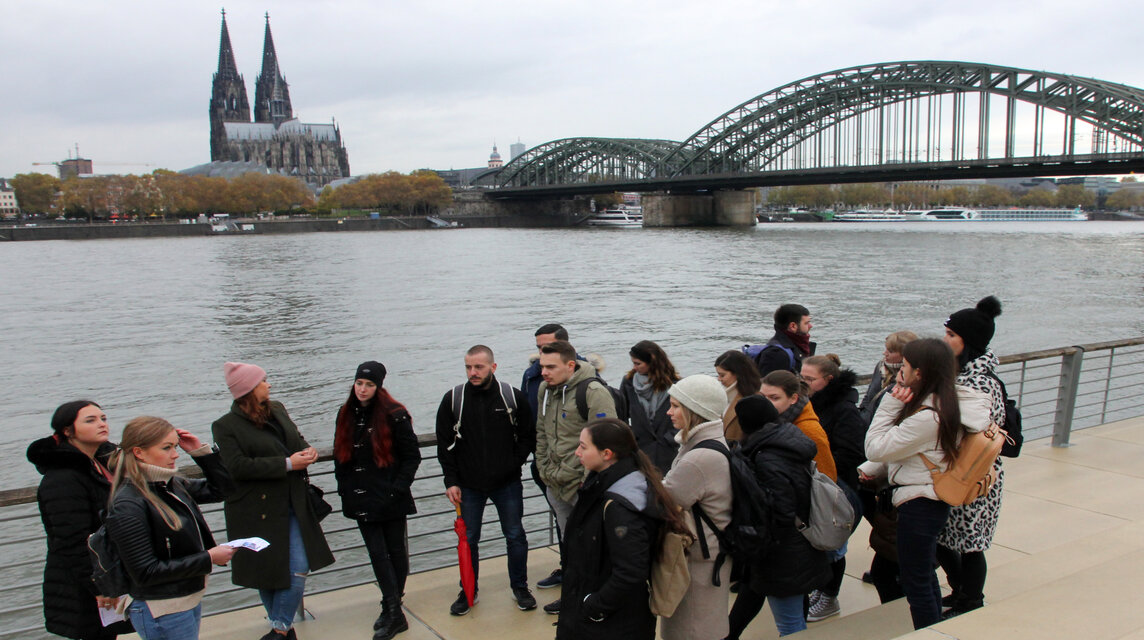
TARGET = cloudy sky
x,y
434,84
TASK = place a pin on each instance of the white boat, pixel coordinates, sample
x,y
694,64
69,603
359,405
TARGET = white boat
x,y
862,215
621,218
1005,215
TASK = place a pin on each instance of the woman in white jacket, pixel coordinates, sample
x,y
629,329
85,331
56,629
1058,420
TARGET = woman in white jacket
x,y
700,477
925,415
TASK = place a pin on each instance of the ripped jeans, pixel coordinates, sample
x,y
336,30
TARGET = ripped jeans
x,y
282,604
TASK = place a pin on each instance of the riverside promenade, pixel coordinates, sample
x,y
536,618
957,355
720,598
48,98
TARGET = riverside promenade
x,y
1066,562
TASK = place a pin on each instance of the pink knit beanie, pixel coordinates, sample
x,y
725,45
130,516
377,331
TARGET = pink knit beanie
x,y
242,378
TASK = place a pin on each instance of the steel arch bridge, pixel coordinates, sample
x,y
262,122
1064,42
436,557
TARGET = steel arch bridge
x,y
894,120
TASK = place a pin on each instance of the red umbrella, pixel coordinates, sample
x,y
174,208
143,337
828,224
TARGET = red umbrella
x,y
465,559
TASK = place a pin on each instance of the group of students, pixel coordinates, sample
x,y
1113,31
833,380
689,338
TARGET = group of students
x,y
615,485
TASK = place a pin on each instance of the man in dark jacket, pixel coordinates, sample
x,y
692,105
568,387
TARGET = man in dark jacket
x,y
484,434
791,342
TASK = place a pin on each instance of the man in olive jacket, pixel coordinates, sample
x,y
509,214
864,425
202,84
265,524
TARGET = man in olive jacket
x,y
559,423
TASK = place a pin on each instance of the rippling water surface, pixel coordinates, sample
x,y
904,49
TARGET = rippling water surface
x,y
143,326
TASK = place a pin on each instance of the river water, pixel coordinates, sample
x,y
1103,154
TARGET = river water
x,y
143,326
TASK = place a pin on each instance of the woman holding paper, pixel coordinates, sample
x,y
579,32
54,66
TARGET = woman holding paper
x,y
155,523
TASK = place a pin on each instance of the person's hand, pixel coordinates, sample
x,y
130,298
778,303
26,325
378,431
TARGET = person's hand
x,y
221,554
454,495
863,478
188,441
903,393
304,458
106,603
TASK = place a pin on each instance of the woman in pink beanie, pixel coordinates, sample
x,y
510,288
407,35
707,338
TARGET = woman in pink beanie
x,y
267,457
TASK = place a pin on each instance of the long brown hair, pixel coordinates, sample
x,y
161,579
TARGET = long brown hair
x,y
255,411
660,372
615,434
937,374
143,432
380,409
747,378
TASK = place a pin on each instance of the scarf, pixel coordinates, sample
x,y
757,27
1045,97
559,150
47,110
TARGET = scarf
x,y
800,340
649,398
890,373
793,411
156,474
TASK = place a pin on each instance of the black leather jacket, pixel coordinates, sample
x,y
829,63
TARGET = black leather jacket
x,y
162,562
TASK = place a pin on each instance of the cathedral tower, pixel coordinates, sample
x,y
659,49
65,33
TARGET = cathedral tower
x,y
271,93
228,95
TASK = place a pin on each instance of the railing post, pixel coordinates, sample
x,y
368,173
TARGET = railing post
x,y
1066,396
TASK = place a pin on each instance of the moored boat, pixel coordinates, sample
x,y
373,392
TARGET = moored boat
x,y
620,218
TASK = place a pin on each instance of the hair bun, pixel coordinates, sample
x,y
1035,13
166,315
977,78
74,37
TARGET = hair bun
x,y
990,306
833,357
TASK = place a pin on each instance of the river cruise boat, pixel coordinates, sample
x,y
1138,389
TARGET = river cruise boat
x,y
863,215
1005,215
620,218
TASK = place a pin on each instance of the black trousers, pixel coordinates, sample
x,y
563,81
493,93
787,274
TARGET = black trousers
x,y
388,553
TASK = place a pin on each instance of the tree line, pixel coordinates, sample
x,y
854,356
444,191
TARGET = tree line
x,y
915,195
166,194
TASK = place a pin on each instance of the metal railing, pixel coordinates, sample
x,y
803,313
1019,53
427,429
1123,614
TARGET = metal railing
x,y
1058,390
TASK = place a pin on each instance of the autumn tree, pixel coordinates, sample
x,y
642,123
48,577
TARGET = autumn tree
x,y
1123,199
871,194
1075,195
1037,199
35,192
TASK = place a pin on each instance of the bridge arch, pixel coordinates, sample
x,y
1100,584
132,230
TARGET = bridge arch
x,y
573,160
754,135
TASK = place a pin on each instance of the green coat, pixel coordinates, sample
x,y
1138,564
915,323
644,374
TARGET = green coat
x,y
258,507
558,427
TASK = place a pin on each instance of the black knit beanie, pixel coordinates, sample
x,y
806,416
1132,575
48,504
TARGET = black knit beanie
x,y
372,371
755,412
975,326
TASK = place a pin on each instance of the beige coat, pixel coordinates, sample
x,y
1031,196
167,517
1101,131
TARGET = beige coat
x,y
701,476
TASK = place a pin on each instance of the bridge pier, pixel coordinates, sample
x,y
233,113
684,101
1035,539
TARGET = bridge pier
x,y
718,209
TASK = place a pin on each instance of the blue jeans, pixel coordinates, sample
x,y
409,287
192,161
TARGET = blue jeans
x,y
509,501
282,604
787,612
183,625
919,522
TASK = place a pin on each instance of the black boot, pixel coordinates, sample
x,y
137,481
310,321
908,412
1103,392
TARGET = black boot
x,y
393,621
380,617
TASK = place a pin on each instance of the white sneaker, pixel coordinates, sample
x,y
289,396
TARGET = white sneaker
x,y
825,607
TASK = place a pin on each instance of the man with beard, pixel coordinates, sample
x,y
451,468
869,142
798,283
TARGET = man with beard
x,y
485,432
791,342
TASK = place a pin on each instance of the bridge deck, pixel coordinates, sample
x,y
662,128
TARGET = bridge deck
x,y
1068,553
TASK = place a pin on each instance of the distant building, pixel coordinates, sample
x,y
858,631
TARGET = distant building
x,y
495,161
8,204
515,149
75,167
276,139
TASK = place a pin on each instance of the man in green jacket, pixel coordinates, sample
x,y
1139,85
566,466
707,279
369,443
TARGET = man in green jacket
x,y
558,426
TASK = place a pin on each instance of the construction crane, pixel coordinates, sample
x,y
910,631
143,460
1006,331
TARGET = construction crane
x,y
77,165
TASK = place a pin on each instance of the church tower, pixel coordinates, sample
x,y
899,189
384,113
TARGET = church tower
x,y
271,93
228,95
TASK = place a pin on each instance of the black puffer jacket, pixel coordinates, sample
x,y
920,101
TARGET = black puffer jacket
x,y
654,434
607,558
72,496
374,493
162,562
845,429
781,454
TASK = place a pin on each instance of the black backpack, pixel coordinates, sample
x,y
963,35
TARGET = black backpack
x,y
582,398
458,401
107,570
1012,426
750,535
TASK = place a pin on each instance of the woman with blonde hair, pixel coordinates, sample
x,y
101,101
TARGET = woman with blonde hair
x,y
700,481
154,522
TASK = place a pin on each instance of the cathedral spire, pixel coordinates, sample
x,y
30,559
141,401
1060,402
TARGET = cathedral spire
x,y
227,67
271,93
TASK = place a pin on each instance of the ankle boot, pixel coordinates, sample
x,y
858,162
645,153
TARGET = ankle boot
x,y
380,617
393,621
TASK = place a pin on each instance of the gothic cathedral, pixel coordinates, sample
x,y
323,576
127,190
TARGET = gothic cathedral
x,y
313,152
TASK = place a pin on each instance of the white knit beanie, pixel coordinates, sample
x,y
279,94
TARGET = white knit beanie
x,y
702,394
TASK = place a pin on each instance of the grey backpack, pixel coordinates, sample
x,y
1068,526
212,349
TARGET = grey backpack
x,y
831,514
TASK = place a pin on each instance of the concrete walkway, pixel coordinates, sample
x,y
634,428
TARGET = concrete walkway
x,y
1066,563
